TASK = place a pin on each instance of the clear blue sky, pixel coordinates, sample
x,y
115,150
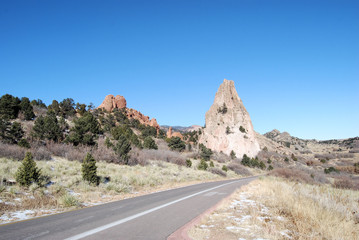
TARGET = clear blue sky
x,y
295,63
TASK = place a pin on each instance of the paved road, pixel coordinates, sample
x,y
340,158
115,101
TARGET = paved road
x,y
153,216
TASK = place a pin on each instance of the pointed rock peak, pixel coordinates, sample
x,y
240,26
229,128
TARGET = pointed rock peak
x,y
228,125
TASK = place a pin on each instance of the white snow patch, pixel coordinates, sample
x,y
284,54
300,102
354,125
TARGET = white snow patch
x,y
18,215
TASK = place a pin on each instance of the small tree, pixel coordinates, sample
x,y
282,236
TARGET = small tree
x,y
26,108
89,170
233,155
149,143
175,143
188,163
242,129
205,152
228,130
270,168
202,165
28,172
122,148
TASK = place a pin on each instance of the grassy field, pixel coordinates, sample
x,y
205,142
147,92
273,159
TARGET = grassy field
x,y
274,208
67,190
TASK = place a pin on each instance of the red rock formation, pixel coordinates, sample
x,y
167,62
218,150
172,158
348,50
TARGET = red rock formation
x,y
112,102
119,102
170,134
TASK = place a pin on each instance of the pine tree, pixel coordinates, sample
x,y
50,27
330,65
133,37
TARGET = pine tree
x,y
26,108
28,172
89,170
122,148
85,130
9,106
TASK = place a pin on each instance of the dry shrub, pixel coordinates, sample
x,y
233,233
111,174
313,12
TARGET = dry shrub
x,y
41,153
218,172
329,156
58,149
161,155
12,151
239,169
221,157
355,150
103,153
293,175
78,153
345,182
348,169
39,111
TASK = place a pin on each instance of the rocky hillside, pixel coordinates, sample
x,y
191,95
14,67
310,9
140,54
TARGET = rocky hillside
x,y
228,125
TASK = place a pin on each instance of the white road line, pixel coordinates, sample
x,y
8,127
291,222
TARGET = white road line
x,y
107,226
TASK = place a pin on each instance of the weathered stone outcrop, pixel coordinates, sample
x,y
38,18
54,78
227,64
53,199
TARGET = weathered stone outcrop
x,y
119,102
228,125
170,134
112,102
134,114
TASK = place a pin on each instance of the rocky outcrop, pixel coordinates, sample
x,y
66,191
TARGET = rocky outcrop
x,y
119,102
228,125
112,102
170,134
134,114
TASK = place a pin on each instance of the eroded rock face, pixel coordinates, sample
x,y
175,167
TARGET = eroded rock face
x,y
134,114
119,102
112,102
171,133
228,125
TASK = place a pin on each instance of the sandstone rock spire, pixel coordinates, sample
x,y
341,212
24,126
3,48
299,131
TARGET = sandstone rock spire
x,y
228,125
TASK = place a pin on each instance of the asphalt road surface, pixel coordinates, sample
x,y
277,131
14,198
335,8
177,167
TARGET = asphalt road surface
x,y
153,216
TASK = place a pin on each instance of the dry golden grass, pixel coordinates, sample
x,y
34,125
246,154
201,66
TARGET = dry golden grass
x,y
68,190
274,208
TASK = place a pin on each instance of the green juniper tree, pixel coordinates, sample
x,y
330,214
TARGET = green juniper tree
x,y
26,109
89,170
149,143
175,143
122,148
28,172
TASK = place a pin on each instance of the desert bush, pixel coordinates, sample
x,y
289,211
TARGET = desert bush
x,y
270,168
218,171
239,169
12,151
293,175
344,182
330,170
211,164
202,165
225,168
188,163
69,200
